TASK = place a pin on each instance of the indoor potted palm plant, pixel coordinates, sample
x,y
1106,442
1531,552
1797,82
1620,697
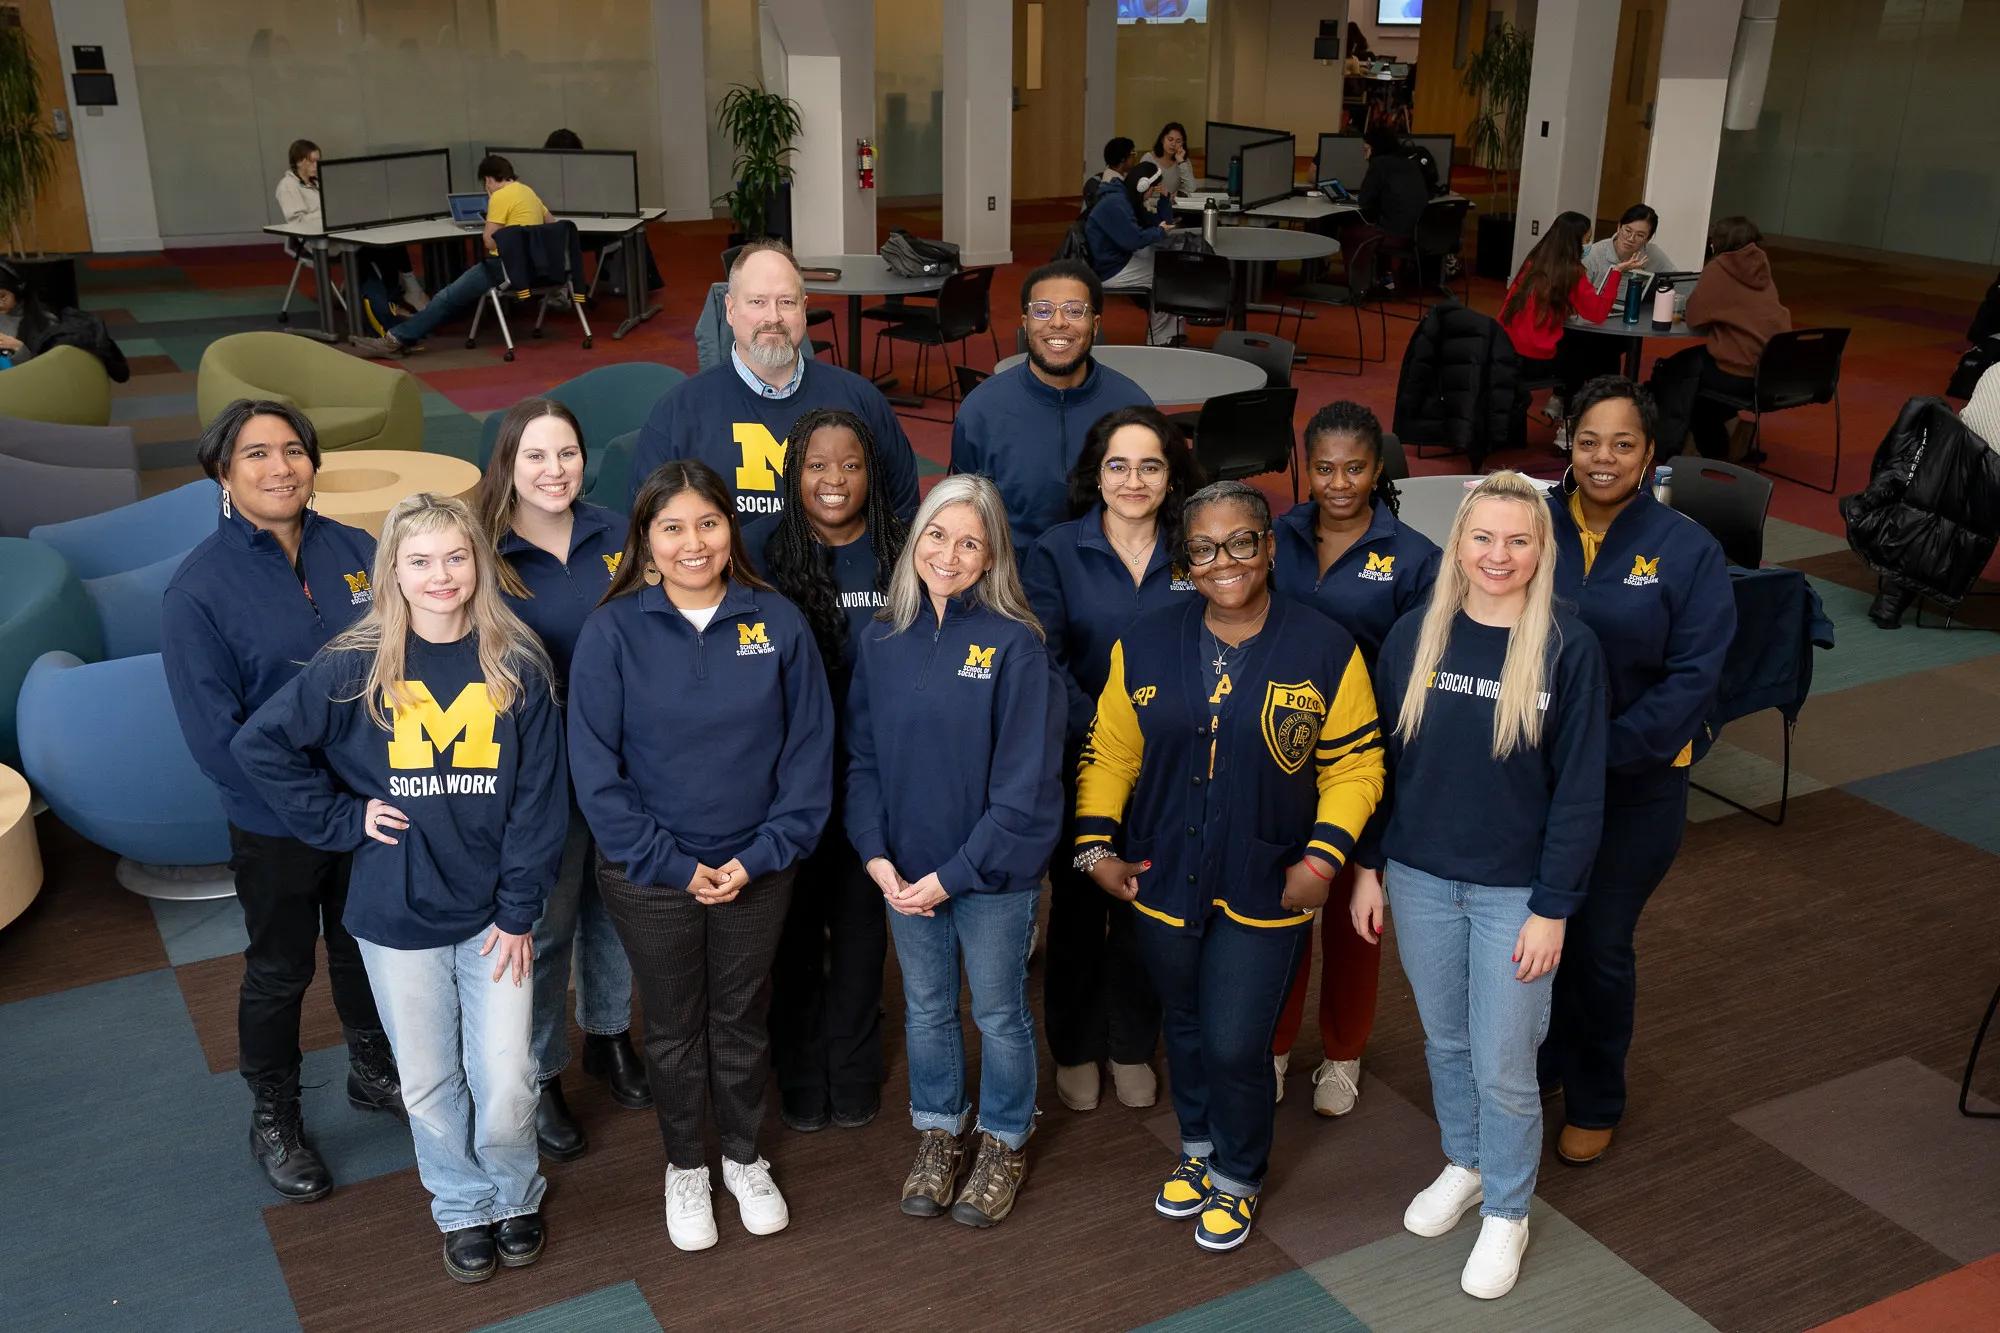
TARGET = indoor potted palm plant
x,y
28,149
762,126
1498,74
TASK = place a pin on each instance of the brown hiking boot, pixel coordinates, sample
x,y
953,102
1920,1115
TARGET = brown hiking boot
x,y
933,1179
993,1185
1581,1147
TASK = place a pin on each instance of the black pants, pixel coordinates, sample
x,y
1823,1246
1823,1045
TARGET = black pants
x,y
291,894
1590,1023
703,975
1677,384
1096,993
826,988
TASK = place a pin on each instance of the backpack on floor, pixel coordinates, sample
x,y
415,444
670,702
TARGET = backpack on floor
x,y
915,257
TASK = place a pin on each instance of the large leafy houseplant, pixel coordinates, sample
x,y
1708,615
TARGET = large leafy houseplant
x,y
27,145
1498,74
762,125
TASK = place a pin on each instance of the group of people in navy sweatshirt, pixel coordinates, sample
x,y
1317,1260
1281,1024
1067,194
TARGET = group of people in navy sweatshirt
x,y
710,759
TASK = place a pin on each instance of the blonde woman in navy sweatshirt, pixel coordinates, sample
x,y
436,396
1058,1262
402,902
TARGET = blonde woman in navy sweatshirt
x,y
954,735
701,736
1493,705
426,740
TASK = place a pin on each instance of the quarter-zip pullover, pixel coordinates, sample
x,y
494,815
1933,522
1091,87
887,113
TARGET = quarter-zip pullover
x,y
561,593
1383,576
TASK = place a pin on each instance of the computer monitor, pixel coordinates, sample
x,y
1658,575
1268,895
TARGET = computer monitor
x,y
1268,165
1339,157
1440,148
467,208
1224,141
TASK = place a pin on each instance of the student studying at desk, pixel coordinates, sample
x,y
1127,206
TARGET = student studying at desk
x,y
509,203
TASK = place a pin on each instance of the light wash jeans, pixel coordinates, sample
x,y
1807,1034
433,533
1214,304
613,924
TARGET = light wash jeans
x,y
1138,273
465,291
576,926
992,933
1481,1026
461,1044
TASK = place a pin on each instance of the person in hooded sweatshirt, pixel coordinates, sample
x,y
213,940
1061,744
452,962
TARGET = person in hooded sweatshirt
x,y
426,740
1735,307
1024,427
1654,587
1123,227
250,604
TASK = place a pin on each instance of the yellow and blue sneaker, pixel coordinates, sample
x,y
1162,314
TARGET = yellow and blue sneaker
x,y
1186,1191
1225,1220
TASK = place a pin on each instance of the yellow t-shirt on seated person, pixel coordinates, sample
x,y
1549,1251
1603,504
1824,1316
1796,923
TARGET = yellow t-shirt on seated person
x,y
515,205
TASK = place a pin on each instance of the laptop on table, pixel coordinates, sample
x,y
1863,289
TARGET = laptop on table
x,y
468,211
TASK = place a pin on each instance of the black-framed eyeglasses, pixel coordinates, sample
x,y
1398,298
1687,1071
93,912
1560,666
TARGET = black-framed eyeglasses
x,y
1150,469
1242,545
1046,310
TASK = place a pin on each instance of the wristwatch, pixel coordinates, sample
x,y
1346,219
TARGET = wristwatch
x,y
1090,856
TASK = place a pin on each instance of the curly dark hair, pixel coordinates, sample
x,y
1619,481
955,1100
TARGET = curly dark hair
x,y
1605,388
799,564
1351,418
1184,474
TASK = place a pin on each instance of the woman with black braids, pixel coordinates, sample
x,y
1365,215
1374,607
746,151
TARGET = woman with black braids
x,y
1347,553
830,551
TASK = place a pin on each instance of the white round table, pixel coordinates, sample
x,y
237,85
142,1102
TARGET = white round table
x,y
20,854
360,486
1634,335
1176,375
1247,248
862,275
1429,504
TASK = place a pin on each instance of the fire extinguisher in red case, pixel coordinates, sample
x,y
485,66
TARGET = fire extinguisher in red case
x,y
864,164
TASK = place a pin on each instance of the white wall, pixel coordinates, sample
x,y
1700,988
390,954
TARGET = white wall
x,y
1100,85
1569,95
679,70
978,130
1687,122
110,140
829,64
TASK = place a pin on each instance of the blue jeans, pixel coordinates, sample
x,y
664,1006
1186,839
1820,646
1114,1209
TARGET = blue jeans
x,y
465,291
992,933
576,925
461,1044
1222,986
1481,1026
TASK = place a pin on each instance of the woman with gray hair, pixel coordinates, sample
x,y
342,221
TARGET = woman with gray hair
x,y
954,739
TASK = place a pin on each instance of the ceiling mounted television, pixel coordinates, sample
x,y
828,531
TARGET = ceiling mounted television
x,y
1407,13
1163,11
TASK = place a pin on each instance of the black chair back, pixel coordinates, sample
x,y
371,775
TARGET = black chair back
x,y
1799,368
729,259
1268,352
964,304
1195,286
969,379
1246,434
1020,340
1730,501
1364,272
1441,228
1395,464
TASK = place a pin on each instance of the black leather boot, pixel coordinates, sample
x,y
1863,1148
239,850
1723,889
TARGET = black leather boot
x,y
469,1254
556,1131
520,1240
278,1141
371,1074
1892,598
612,1059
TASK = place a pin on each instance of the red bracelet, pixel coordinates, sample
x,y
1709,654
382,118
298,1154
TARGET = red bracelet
x,y
1315,869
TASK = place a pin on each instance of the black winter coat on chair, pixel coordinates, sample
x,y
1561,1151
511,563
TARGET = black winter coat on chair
x,y
1460,384
1930,516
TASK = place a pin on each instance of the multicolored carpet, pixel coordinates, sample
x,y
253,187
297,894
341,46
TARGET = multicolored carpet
x,y
1792,1157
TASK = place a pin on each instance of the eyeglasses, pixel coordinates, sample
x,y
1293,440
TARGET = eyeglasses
x,y
1046,310
1242,545
1150,469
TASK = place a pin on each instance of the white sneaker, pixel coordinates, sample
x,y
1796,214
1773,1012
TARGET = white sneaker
x,y
757,1197
1336,1086
690,1211
1496,1258
1443,1202
413,292
1281,1063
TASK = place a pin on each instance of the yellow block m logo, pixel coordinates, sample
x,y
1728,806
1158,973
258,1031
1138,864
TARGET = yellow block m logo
x,y
357,581
611,562
1642,568
763,456
751,633
423,729
1382,564
975,656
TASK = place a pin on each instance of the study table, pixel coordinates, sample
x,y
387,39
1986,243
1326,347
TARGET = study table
x,y
1175,375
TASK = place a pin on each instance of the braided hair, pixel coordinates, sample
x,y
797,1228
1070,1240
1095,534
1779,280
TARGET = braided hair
x,y
799,564
1350,418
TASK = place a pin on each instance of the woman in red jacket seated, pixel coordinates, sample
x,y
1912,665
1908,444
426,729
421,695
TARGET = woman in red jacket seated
x,y
1551,287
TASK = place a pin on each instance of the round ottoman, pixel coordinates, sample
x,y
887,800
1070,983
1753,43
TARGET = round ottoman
x,y
43,608
20,855
360,486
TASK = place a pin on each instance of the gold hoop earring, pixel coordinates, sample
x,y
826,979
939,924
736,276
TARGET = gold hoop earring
x,y
652,575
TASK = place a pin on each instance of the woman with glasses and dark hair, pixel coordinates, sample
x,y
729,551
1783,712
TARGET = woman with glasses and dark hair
x,y
1233,764
1169,153
1088,579
1347,553
1551,286
245,611
385,269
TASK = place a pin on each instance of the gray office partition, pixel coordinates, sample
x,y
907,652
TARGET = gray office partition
x,y
1225,141
1340,158
384,187
582,182
1267,170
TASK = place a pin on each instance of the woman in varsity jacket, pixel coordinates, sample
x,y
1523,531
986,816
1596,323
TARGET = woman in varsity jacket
x,y
426,740
1234,761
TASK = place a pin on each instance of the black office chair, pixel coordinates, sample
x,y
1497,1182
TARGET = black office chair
x,y
1020,341
1363,278
1798,369
1198,288
970,378
814,316
1395,463
560,274
1268,352
1440,235
1248,434
1731,502
1972,1059
964,307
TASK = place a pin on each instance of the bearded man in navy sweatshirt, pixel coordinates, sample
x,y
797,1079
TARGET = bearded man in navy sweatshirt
x,y
736,417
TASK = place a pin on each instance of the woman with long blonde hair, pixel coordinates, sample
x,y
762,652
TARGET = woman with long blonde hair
x,y
425,739
1485,842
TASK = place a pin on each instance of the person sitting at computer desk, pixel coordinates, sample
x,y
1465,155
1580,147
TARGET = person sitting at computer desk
x,y
509,203
1121,241
1393,195
386,265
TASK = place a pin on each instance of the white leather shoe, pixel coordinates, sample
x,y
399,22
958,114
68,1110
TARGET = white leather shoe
x,y
1437,1209
1496,1258
690,1210
757,1197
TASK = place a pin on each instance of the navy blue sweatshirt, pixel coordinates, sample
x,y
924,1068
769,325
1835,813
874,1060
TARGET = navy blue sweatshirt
x,y
1658,598
742,435
1113,232
1083,594
237,624
954,742
485,793
1382,577
563,592
1026,436
852,570
700,745
1454,811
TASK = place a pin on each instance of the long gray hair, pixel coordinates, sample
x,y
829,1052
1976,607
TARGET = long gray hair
x,y
999,589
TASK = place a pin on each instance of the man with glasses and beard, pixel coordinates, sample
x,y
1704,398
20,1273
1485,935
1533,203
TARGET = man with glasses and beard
x,y
1024,427
736,417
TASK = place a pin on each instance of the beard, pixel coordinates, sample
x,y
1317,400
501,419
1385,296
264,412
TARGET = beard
x,y
770,355
1078,351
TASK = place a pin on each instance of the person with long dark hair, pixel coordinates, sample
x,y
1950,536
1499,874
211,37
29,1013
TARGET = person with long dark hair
x,y
1551,286
246,609
1348,553
831,551
557,553
701,737
384,269
1735,308
1087,580
1170,153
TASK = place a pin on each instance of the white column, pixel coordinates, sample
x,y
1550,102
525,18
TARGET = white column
x,y
1569,94
679,68
979,130
828,57
1100,85
1695,50
110,140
